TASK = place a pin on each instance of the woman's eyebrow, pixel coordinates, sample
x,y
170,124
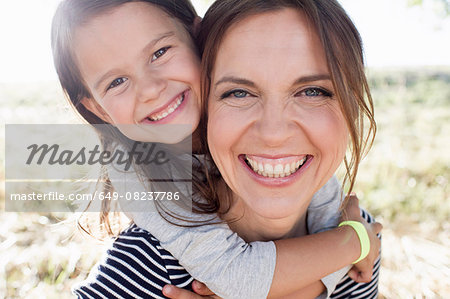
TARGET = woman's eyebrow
x,y
236,80
312,78
301,80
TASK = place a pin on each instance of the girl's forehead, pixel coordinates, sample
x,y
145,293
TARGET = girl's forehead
x,y
131,23
142,14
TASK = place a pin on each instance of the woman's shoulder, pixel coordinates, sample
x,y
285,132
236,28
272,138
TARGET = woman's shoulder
x,y
134,266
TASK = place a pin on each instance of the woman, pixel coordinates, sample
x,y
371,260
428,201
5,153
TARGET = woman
x,y
285,84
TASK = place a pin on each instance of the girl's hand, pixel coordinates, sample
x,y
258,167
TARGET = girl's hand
x,y
200,289
362,271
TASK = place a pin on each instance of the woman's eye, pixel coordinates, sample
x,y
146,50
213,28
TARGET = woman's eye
x,y
116,82
237,93
159,53
314,92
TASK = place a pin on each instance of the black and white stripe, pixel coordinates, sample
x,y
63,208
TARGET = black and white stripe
x,y
135,267
347,288
138,267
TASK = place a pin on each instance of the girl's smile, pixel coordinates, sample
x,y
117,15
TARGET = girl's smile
x,y
166,113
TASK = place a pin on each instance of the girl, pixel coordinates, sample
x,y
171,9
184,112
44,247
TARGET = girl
x,y
133,64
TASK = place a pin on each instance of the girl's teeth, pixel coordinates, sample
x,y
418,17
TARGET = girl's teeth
x,y
268,169
260,167
287,169
168,111
279,170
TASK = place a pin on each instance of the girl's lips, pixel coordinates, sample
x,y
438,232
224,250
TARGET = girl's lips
x,y
275,171
168,112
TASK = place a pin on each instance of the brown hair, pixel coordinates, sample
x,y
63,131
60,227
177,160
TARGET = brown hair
x,y
69,16
343,47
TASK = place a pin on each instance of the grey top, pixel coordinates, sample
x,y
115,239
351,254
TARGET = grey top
x,y
216,255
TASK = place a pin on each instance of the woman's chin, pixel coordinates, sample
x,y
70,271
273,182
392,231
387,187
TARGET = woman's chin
x,y
277,207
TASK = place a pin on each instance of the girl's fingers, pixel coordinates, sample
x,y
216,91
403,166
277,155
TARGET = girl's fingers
x,y
360,276
177,293
351,211
376,227
353,274
201,288
353,199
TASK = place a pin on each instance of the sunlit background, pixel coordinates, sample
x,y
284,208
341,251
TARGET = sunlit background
x,y
403,181
394,34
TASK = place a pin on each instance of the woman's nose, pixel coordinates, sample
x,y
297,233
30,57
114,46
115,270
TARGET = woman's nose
x,y
274,127
150,87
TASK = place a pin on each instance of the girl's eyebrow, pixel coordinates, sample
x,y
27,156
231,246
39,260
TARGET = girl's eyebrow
x,y
156,40
144,51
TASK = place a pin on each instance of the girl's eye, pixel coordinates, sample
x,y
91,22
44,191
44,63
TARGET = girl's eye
x,y
116,82
237,93
314,92
159,53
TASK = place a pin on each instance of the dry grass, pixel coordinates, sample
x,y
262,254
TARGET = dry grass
x,y
42,258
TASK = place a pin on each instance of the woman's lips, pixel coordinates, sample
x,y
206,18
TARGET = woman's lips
x,y
276,171
168,110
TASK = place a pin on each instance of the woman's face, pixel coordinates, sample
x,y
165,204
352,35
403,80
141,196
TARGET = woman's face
x,y
143,71
275,128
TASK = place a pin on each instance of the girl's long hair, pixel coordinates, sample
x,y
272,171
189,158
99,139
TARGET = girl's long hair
x,y
69,16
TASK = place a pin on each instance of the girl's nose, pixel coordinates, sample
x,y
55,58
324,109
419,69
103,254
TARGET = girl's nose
x,y
150,87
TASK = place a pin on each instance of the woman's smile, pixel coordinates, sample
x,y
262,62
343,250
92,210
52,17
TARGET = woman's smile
x,y
272,167
275,171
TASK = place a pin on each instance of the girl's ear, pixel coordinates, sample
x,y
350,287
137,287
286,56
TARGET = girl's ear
x,y
95,108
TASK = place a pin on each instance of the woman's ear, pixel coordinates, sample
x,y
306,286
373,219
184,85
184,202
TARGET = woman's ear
x,y
95,108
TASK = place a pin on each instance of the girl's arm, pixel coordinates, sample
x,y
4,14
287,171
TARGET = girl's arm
x,y
217,256
347,287
311,290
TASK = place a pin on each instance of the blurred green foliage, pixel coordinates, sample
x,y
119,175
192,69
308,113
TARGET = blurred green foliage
x,y
442,7
405,176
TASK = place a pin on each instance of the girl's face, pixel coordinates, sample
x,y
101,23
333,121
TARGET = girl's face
x,y
275,129
143,71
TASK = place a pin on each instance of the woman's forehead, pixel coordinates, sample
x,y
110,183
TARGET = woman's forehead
x,y
276,44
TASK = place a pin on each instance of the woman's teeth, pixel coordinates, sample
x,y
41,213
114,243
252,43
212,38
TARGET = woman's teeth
x,y
278,170
169,110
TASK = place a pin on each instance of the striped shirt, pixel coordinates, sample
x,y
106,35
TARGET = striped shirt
x,y
138,267
135,267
